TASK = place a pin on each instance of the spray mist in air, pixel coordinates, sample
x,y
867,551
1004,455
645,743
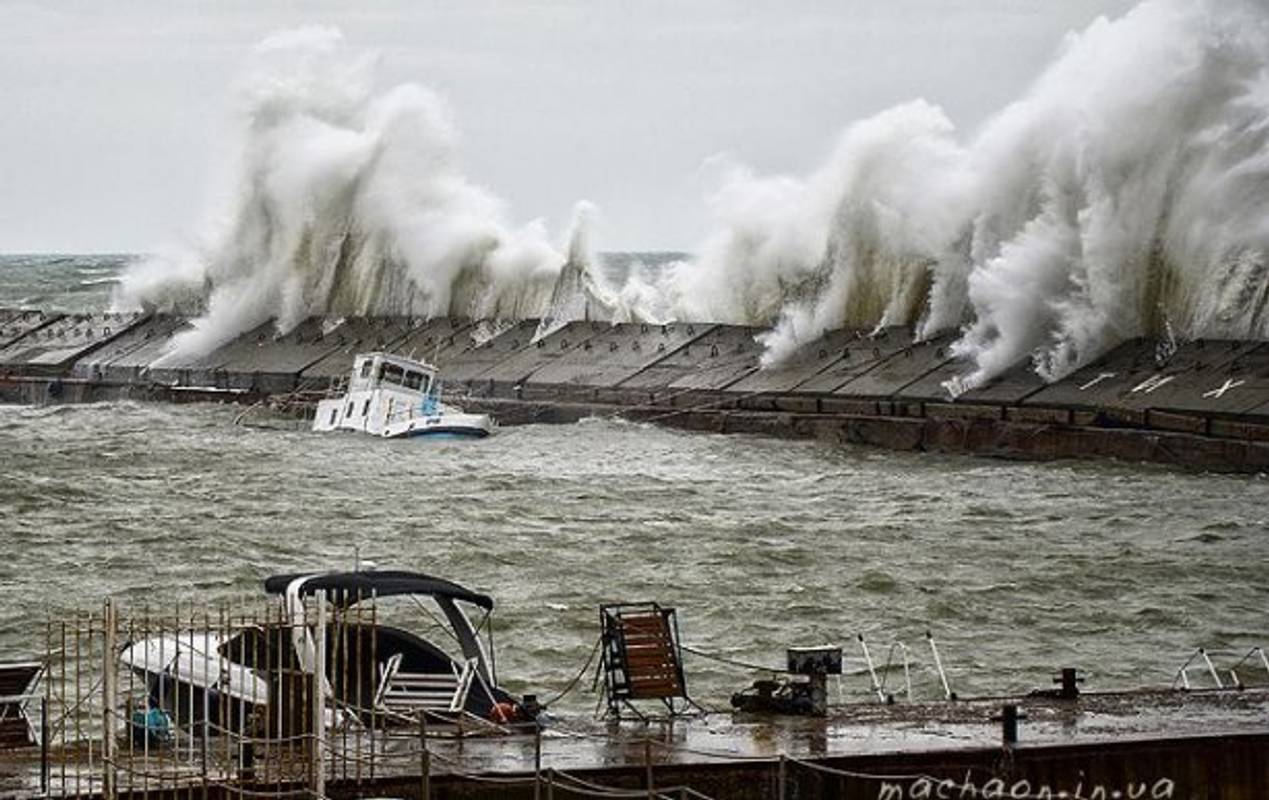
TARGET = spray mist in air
x,y
1125,193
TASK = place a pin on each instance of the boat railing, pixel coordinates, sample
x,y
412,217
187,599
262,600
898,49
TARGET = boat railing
x,y
1201,659
898,657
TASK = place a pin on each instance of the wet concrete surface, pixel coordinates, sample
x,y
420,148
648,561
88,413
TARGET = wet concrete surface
x,y
873,729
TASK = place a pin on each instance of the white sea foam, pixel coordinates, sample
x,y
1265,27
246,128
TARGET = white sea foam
x,y
1127,188
349,200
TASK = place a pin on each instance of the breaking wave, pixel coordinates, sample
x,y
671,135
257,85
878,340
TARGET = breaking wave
x,y
351,201
1126,193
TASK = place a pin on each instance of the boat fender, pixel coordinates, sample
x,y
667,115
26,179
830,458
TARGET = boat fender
x,y
503,713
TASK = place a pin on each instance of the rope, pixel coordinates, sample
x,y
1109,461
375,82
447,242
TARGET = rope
x,y
576,678
731,661
599,790
954,786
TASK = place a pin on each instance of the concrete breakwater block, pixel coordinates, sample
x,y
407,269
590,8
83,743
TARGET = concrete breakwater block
x,y
903,368
778,386
1013,386
507,376
261,360
1199,377
698,371
1211,378
53,347
355,335
126,358
613,354
16,323
440,341
857,356
488,343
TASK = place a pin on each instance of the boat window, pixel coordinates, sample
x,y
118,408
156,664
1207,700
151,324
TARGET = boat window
x,y
365,368
334,412
348,413
365,407
413,380
393,374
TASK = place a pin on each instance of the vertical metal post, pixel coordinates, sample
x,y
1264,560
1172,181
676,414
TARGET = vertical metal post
x,y
108,697
1009,717
425,759
537,761
938,664
44,732
1211,669
872,672
781,778
319,697
647,761
550,784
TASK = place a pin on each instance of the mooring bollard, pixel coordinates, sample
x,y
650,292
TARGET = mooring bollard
x,y
1069,681
1008,719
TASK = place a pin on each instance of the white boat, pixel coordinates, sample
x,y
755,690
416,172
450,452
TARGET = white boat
x,y
376,673
395,397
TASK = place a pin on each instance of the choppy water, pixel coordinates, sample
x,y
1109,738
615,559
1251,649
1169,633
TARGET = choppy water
x,y
60,282
1018,568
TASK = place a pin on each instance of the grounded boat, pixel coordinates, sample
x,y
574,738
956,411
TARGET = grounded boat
x,y
396,397
376,674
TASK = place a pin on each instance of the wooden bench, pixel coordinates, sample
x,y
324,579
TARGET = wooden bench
x,y
641,658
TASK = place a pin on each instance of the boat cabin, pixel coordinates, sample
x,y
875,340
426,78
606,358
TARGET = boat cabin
x,y
374,370
383,389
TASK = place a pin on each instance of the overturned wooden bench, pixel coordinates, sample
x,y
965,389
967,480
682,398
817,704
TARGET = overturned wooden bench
x,y
642,659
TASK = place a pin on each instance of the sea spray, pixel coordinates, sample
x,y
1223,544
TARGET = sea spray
x,y
1128,189
1125,193
582,293
349,200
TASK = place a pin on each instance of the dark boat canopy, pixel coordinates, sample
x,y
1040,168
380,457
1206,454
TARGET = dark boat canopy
x,y
346,588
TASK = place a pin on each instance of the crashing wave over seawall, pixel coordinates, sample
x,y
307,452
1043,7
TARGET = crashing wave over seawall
x,y
350,200
1125,193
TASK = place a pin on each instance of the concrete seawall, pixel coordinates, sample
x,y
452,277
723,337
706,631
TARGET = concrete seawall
x,y
1201,404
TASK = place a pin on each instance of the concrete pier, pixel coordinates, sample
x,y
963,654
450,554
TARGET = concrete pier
x,y
1200,404
1201,745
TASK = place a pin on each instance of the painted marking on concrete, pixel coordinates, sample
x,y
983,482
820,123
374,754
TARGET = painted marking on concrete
x,y
1102,377
1230,383
1152,383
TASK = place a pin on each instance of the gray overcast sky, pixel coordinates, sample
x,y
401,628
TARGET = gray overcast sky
x,y
113,116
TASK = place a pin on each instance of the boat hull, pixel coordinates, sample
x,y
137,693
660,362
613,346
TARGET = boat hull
x,y
446,433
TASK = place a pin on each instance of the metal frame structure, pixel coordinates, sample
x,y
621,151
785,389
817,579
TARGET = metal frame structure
x,y
642,664
25,676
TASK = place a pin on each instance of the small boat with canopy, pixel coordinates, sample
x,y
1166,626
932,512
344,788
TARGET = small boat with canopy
x,y
376,671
